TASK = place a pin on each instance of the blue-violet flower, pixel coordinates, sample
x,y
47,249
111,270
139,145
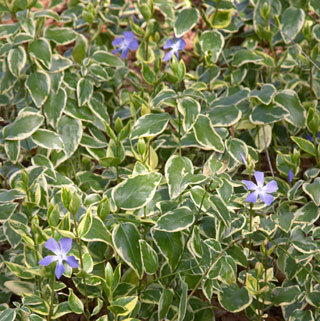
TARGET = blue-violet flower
x,y
260,189
125,43
175,45
290,175
60,250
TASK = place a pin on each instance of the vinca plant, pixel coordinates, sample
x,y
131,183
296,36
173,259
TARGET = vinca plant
x,y
159,160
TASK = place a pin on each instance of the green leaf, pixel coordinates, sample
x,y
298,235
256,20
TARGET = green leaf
x,y
170,245
41,50
60,35
24,126
125,237
206,136
186,20
137,191
235,148
245,56
79,51
190,109
54,106
183,302
148,74
313,190
75,303
176,168
263,114
108,59
224,115
8,315
149,257
12,149
265,94
304,144
289,100
85,223
38,85
222,19
212,41
16,60
59,63
47,139
164,303
292,21
84,91
6,211
309,213
221,209
315,6
234,299
150,125
98,232
127,303
70,131
285,295
176,220
8,30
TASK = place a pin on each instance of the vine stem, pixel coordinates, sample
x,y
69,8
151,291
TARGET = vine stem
x,y
52,295
87,314
207,271
267,153
250,230
316,149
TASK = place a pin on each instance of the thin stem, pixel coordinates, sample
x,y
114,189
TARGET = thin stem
x,y
267,153
81,265
179,118
265,282
310,75
52,295
250,235
316,149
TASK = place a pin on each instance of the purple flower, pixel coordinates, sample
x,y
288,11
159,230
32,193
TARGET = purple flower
x,y
60,250
290,175
175,45
243,158
309,137
260,190
125,43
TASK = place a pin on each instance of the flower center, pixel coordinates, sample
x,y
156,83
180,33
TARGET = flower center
x,y
61,257
259,189
124,44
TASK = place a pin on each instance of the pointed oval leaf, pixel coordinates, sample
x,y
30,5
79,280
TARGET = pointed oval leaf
x,y
47,139
291,23
176,220
234,299
176,168
70,131
84,91
136,192
150,125
108,59
125,237
206,136
186,20
16,60
59,35
40,49
24,126
149,257
75,303
212,41
38,85
190,109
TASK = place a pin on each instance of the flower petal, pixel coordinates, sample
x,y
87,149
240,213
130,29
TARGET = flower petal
x,y
259,178
168,56
117,41
116,50
128,35
181,44
48,260
134,44
65,245
124,53
250,185
59,269
290,175
71,260
169,43
266,198
53,246
271,187
252,197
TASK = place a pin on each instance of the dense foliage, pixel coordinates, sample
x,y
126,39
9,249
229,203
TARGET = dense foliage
x,y
159,159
